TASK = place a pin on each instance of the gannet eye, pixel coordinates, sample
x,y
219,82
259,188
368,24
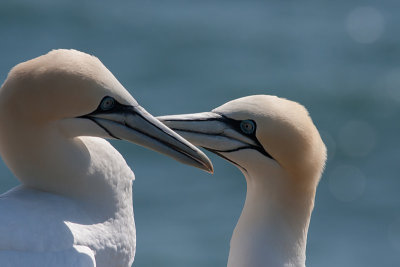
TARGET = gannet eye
x,y
247,126
107,103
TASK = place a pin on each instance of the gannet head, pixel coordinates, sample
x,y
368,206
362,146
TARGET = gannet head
x,y
76,94
258,133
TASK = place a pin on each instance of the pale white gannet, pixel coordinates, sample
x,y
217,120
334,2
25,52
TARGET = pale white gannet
x,y
74,207
275,144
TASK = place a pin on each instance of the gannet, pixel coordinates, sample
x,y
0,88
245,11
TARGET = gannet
x,y
74,207
275,144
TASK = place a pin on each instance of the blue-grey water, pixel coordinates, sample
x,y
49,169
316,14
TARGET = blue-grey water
x,y
338,58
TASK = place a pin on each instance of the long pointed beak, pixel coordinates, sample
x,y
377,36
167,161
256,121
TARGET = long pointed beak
x,y
210,130
214,132
135,124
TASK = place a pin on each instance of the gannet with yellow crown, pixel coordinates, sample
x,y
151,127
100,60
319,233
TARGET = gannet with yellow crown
x,y
74,207
275,144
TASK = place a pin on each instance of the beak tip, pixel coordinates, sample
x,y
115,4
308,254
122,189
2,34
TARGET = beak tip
x,y
206,163
210,170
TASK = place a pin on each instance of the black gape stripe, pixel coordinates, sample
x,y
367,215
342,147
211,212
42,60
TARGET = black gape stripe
x,y
259,149
102,127
119,108
234,124
162,141
222,156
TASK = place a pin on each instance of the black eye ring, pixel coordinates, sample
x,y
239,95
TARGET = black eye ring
x,y
247,126
107,103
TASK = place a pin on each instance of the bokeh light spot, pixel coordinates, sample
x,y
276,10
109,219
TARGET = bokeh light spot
x,y
346,183
365,24
357,138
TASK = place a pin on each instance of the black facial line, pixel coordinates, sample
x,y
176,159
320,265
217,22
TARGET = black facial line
x,y
163,142
173,137
104,128
259,149
117,108
201,119
222,156
234,124
121,109
197,132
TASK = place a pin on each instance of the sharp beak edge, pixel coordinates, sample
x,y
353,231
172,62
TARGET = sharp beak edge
x,y
207,129
136,125
214,132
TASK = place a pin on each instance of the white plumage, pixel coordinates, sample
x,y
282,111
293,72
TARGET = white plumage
x,y
74,207
45,229
275,144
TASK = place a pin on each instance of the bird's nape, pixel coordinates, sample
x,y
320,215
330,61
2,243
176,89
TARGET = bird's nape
x,y
274,142
74,206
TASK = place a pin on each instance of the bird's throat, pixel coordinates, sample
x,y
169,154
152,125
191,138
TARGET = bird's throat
x,y
79,168
272,229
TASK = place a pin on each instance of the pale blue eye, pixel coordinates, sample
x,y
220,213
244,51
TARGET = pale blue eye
x,y
107,103
247,126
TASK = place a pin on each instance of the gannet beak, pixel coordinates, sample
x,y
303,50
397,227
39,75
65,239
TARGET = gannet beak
x,y
135,124
212,131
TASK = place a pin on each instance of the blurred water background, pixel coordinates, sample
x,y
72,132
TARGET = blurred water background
x,y
338,58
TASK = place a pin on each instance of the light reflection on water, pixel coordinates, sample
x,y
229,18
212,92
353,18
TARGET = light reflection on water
x,y
365,24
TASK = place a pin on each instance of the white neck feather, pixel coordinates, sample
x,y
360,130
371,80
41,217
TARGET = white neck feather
x,y
86,169
272,229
